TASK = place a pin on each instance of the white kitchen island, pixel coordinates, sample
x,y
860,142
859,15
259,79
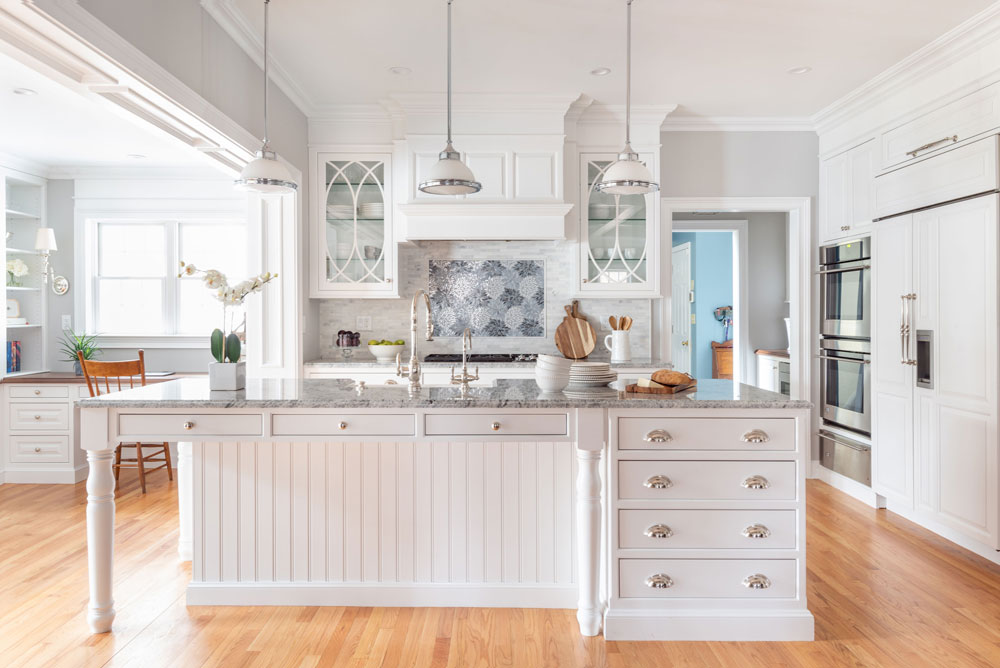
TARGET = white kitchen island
x,y
668,518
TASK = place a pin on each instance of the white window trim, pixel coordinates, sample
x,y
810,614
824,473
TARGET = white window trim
x,y
85,263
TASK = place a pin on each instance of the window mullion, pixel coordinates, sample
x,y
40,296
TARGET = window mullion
x,y
171,306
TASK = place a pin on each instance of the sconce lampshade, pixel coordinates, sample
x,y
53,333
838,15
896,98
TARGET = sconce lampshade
x,y
45,240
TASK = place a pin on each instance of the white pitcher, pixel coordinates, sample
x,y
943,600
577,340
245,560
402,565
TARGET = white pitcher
x,y
621,349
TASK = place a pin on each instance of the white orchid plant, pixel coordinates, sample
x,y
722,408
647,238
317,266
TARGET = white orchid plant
x,y
227,347
16,269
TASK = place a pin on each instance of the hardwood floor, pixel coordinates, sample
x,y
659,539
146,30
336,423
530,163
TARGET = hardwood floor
x,y
884,592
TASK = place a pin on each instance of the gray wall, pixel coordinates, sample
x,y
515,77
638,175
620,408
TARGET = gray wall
x,y
186,41
739,164
59,208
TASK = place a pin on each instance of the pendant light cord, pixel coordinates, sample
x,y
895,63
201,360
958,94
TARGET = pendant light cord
x,y
628,74
266,4
449,72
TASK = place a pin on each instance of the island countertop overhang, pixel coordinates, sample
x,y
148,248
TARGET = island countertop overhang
x,y
193,393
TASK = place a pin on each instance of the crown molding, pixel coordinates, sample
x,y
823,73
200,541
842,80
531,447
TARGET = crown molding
x,y
236,25
25,166
738,124
935,56
117,173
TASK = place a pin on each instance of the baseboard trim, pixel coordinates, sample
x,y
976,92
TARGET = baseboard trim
x,y
701,625
381,595
45,476
946,532
852,488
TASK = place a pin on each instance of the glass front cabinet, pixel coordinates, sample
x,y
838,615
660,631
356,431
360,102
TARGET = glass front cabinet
x,y
352,246
618,236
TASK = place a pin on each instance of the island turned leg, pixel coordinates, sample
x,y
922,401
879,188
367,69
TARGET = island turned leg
x,y
100,538
588,519
185,500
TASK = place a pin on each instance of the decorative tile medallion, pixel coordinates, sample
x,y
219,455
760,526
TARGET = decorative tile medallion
x,y
491,297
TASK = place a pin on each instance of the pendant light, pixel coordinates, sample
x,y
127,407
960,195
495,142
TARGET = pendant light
x,y
628,176
265,174
450,176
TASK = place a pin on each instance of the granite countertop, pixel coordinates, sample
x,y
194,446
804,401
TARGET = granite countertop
x,y
305,393
70,378
365,359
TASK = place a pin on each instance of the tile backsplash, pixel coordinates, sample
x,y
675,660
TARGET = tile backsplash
x,y
391,317
500,298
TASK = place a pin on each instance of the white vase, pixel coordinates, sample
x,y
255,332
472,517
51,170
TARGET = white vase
x,y
227,376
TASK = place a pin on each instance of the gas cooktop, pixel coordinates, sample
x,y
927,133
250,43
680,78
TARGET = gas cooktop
x,y
483,358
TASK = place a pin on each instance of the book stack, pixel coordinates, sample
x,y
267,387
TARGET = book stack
x,y
13,356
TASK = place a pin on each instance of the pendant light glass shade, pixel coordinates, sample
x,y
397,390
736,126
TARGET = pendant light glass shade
x,y
264,174
450,176
628,176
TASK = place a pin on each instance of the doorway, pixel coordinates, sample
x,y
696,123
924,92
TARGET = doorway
x,y
682,302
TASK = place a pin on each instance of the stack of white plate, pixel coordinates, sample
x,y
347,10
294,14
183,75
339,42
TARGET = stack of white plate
x,y
552,373
372,210
340,211
591,374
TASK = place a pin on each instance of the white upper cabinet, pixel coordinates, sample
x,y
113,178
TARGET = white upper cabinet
x,y
847,192
619,236
352,252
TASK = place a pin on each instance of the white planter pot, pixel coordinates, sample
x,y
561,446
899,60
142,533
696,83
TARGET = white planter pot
x,y
222,376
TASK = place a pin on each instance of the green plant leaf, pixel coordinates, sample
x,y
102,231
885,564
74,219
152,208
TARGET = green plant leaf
x,y
233,348
217,340
72,342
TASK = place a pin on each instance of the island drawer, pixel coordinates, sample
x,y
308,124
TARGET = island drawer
x,y
484,424
39,392
707,578
180,425
343,424
747,434
706,529
696,480
39,417
25,449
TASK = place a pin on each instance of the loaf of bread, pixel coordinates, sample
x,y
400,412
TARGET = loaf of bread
x,y
671,378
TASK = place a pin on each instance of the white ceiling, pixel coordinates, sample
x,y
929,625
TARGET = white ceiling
x,y
59,128
715,58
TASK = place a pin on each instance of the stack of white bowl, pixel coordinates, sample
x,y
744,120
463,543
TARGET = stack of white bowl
x,y
552,373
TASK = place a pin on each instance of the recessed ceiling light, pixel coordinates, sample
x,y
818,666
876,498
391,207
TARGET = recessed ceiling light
x,y
800,70
399,71
601,71
24,91
137,156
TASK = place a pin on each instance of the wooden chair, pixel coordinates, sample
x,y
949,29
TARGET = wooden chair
x,y
95,373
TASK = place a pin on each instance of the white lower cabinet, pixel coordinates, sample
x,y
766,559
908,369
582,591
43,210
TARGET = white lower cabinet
x,y
38,434
707,522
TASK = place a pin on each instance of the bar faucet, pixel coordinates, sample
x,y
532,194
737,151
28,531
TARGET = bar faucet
x,y
412,371
465,378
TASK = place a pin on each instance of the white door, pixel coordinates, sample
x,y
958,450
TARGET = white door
x,y
955,253
892,376
680,300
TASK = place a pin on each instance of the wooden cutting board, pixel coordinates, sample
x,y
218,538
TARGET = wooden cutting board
x,y
669,389
575,337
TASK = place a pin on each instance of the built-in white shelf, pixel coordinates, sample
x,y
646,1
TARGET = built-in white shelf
x,y
14,213
22,326
29,372
19,251
11,288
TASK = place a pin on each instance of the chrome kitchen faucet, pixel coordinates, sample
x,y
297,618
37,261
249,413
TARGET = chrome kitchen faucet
x,y
412,370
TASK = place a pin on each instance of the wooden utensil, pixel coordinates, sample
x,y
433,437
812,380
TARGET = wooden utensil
x,y
626,322
575,337
613,321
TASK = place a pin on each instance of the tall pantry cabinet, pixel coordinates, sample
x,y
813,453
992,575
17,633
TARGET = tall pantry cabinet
x,y
935,375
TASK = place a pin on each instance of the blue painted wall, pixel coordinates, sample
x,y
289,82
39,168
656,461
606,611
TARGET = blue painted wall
x,y
712,272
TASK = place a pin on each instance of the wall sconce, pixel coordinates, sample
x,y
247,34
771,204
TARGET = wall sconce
x,y
45,243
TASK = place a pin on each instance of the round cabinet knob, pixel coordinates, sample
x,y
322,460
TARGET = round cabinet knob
x,y
755,436
37,392
658,531
756,531
188,425
657,436
659,581
755,482
342,425
495,426
38,449
658,482
756,581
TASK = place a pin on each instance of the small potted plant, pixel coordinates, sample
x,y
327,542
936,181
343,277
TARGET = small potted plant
x,y
72,343
227,372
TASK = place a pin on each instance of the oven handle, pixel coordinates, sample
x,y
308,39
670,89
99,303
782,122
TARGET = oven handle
x,y
843,359
850,444
840,271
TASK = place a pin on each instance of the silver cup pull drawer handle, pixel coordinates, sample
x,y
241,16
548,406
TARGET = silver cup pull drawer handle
x,y
756,581
756,531
188,425
658,482
659,581
755,436
657,436
658,531
755,482
38,417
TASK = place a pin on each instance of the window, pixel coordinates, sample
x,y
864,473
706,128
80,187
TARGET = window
x,y
134,265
